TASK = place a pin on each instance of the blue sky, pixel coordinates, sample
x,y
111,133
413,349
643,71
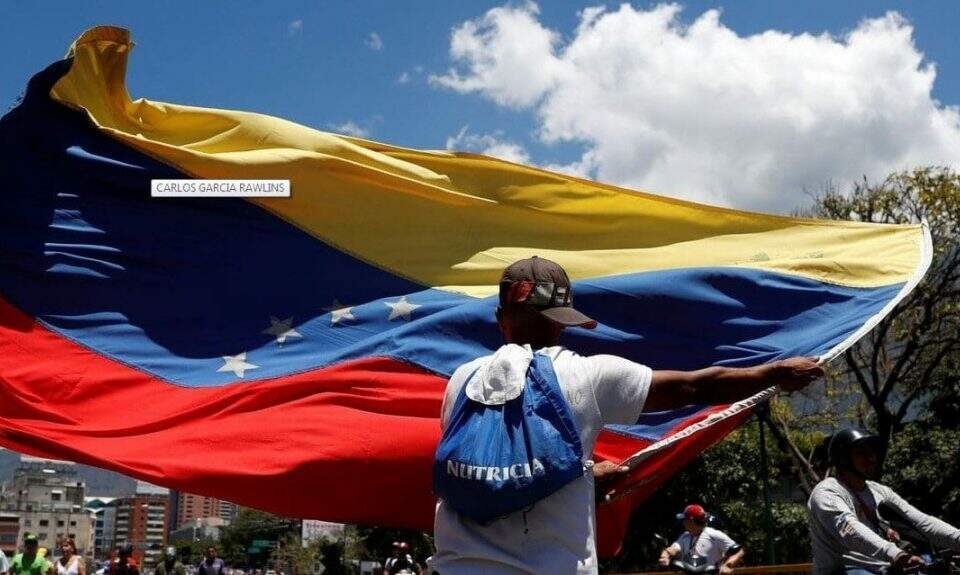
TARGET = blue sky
x,y
317,63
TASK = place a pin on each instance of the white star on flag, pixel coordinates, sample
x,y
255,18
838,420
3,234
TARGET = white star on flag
x,y
237,364
339,312
281,329
401,308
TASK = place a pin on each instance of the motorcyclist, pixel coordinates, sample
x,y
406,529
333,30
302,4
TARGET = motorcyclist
x,y
847,533
699,539
401,561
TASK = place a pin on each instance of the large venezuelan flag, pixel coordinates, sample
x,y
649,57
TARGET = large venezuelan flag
x,y
290,354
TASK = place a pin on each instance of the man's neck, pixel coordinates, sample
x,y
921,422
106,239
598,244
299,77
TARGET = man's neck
x,y
536,344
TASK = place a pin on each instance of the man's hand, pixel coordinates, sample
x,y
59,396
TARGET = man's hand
x,y
605,474
664,560
794,373
907,562
726,569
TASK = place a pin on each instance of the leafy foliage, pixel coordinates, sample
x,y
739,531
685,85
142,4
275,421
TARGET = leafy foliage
x,y
251,525
923,465
725,480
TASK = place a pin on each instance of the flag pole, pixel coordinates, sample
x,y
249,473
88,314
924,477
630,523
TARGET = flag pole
x,y
762,412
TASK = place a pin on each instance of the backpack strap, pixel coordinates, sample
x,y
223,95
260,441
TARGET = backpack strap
x,y
544,375
462,396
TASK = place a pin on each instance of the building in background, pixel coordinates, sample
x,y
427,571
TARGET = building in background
x,y
314,530
198,530
141,520
228,511
47,497
9,533
104,513
191,507
173,512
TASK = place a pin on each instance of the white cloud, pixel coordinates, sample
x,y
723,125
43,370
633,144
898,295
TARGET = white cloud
x,y
701,112
403,78
374,42
350,128
506,54
489,145
295,27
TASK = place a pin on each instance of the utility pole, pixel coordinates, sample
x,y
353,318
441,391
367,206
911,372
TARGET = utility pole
x,y
763,411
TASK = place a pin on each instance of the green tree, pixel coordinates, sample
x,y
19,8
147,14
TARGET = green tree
x,y
253,525
923,462
293,557
193,551
725,480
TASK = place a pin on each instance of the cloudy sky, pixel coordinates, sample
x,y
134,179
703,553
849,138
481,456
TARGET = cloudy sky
x,y
747,104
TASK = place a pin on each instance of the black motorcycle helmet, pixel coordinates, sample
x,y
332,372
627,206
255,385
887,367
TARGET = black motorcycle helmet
x,y
843,442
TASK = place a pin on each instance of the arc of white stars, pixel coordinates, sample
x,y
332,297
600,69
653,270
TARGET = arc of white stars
x,y
401,308
281,329
339,312
237,364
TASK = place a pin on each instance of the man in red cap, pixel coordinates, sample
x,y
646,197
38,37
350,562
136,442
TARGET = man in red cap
x,y
699,540
556,534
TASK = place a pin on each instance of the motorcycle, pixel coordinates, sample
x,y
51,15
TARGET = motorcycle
x,y
691,564
938,561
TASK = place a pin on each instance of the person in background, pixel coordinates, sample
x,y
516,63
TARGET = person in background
x,y
4,562
700,540
211,564
401,561
124,563
847,533
30,562
69,563
170,565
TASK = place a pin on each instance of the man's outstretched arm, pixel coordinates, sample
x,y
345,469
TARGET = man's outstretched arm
x,y
720,385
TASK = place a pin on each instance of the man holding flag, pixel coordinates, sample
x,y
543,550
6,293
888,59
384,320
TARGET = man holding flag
x,y
556,533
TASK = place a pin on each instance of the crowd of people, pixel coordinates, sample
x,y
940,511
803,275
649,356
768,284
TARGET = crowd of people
x,y
33,560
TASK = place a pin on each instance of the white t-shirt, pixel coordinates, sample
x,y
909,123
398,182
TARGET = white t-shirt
x,y
557,535
712,544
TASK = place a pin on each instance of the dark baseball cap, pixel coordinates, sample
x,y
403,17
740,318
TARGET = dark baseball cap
x,y
30,538
544,286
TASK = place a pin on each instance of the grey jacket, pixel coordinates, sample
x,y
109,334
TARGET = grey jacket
x,y
842,539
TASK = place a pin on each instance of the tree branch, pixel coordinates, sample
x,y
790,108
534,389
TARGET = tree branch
x,y
807,474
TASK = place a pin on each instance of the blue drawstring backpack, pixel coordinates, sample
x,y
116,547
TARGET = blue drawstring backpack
x,y
496,459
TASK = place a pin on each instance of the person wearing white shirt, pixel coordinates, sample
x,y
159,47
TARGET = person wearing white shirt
x,y
700,540
557,534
